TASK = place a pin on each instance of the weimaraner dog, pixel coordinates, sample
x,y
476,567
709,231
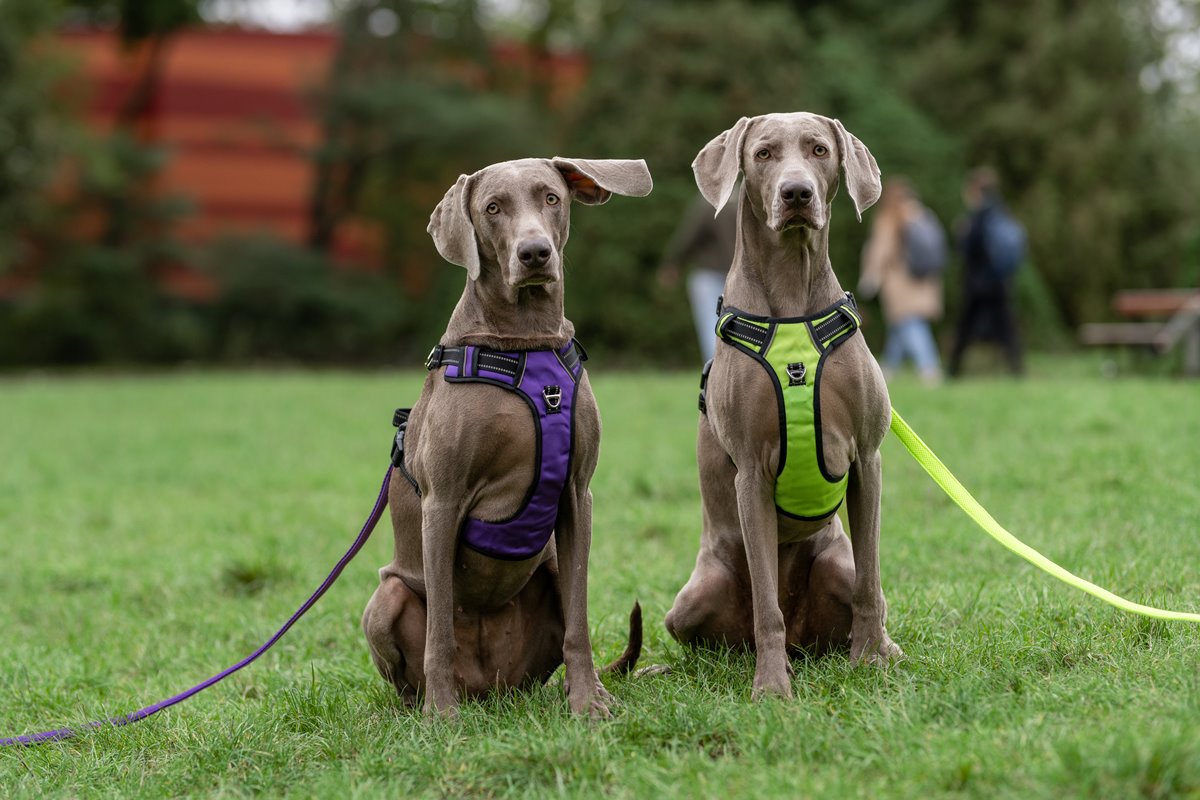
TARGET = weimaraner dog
x,y
765,579
454,616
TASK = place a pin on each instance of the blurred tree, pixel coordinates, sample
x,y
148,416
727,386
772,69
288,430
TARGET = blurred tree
x,y
33,131
145,29
669,80
1051,94
411,102
1101,168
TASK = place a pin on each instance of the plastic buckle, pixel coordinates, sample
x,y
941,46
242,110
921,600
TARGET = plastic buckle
x,y
434,359
553,397
400,421
797,374
704,386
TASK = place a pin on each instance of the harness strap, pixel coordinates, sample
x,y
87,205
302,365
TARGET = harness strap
x,y
792,350
829,327
494,360
491,360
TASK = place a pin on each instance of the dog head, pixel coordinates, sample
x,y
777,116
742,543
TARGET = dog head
x,y
791,164
514,217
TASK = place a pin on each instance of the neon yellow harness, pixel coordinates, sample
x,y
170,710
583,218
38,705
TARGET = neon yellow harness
x,y
792,350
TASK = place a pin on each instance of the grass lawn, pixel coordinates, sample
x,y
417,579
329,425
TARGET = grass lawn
x,y
155,529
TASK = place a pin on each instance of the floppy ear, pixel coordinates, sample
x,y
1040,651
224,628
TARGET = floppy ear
x,y
718,164
451,228
862,173
593,181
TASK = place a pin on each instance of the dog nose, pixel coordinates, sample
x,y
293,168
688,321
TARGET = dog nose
x,y
796,193
534,253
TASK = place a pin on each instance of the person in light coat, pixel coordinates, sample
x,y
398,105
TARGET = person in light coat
x,y
910,303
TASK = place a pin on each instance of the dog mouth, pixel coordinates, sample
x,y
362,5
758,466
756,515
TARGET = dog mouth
x,y
539,279
794,220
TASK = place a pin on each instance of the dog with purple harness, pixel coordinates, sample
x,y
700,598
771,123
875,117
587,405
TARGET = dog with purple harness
x,y
491,510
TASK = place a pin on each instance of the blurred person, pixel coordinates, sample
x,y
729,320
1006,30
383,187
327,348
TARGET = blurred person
x,y
903,262
704,244
993,246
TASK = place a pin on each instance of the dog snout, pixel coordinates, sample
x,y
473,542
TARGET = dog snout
x,y
796,193
534,253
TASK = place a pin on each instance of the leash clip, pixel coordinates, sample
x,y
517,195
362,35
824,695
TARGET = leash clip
x,y
553,397
797,374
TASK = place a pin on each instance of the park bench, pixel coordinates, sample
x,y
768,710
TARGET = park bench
x,y
1178,311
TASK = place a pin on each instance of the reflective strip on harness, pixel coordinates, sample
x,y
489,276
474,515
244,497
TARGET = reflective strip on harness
x,y
792,350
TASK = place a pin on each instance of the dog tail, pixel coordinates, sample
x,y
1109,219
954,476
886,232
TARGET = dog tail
x,y
633,651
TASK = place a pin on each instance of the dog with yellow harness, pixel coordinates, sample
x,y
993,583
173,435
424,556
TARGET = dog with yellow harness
x,y
794,409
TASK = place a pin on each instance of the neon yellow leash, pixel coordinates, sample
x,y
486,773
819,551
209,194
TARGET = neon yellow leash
x,y
959,494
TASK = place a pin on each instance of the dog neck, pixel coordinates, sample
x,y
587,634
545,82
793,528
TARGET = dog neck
x,y
493,314
784,274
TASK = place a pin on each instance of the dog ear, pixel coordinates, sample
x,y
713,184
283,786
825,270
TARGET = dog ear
x,y
451,228
593,181
862,173
717,166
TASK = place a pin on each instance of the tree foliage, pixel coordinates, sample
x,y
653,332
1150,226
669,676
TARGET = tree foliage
x,y
32,135
1085,108
1101,170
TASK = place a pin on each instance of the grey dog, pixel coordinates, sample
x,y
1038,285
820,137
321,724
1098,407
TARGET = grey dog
x,y
763,579
445,618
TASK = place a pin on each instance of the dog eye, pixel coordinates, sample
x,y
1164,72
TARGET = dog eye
x,y
493,208
820,150
551,199
763,154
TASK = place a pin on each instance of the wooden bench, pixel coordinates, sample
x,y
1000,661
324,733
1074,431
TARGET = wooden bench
x,y
1180,307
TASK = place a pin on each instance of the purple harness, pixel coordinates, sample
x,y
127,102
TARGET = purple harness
x,y
547,381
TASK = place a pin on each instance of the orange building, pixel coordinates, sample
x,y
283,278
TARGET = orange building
x,y
239,112
236,109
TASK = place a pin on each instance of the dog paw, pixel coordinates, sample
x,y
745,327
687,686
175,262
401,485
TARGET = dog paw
x,y
875,650
442,705
589,698
653,669
772,684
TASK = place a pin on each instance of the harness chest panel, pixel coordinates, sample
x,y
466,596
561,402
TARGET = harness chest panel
x,y
547,380
792,350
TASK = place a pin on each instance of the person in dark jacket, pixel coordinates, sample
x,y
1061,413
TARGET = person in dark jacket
x,y
987,308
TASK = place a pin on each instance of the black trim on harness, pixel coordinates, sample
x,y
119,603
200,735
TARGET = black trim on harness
x,y
497,361
827,336
514,366
400,422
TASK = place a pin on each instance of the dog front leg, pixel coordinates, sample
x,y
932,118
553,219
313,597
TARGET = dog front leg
x,y
573,538
760,535
440,522
869,642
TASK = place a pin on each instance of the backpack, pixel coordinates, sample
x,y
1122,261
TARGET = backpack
x,y
1003,242
925,250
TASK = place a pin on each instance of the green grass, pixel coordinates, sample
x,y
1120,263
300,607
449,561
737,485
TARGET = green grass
x,y
155,529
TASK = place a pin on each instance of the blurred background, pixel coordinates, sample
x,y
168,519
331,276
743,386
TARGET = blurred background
x,y
248,181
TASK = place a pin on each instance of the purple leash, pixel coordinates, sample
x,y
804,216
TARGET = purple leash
x,y
137,716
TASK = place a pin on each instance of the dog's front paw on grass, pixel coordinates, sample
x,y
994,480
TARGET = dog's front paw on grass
x,y
874,650
440,705
771,682
589,698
